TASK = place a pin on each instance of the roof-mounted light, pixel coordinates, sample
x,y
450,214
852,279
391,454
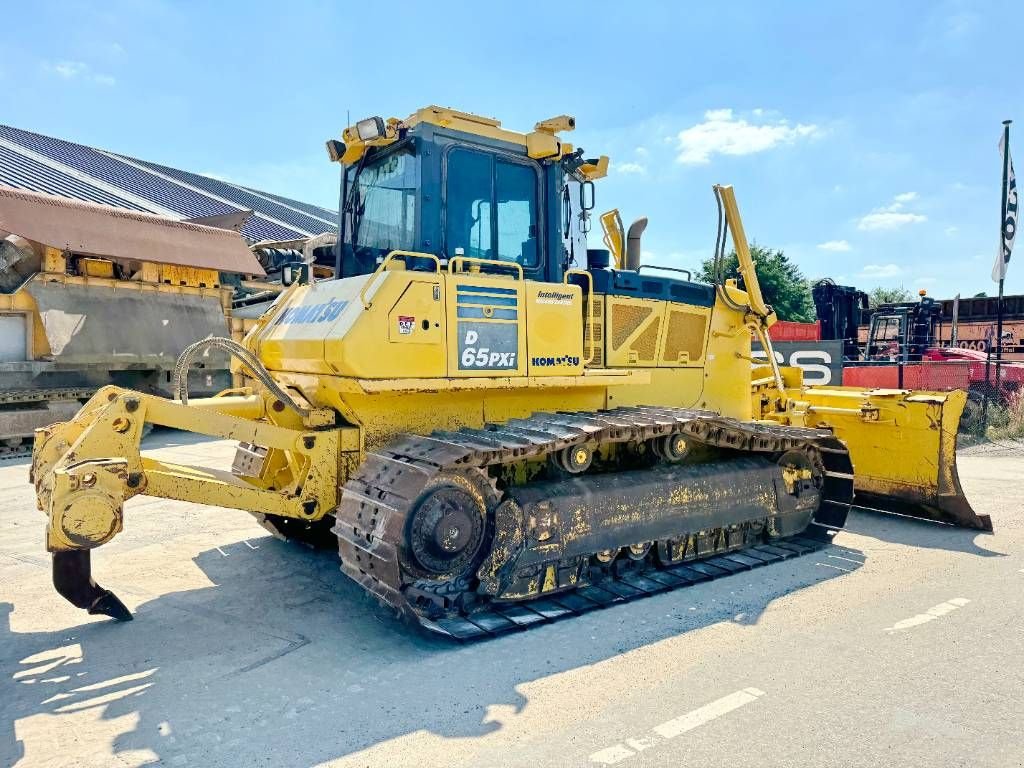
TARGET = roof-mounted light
x,y
335,150
371,128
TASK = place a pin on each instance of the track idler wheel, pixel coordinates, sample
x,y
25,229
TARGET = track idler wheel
x,y
638,552
671,448
576,459
799,472
606,556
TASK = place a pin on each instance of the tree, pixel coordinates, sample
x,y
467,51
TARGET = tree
x,y
981,295
881,295
782,283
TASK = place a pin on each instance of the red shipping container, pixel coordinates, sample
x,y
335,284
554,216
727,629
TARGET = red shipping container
x,y
786,330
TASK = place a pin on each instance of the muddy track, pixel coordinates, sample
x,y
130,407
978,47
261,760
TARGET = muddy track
x,y
376,502
21,446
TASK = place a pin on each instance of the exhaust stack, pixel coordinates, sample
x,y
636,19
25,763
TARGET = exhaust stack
x,y
636,231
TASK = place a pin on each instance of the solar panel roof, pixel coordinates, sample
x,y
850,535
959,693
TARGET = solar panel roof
x,y
40,163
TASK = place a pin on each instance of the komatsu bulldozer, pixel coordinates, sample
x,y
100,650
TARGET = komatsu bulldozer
x,y
497,425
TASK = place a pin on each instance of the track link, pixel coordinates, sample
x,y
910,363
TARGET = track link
x,y
20,446
370,521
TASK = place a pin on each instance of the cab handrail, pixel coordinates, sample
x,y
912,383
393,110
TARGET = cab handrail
x,y
387,260
513,265
587,324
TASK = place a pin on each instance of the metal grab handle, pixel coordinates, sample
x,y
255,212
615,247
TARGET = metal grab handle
x,y
383,265
689,274
513,265
587,325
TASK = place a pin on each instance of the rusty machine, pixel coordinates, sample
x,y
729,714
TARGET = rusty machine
x,y
92,295
496,425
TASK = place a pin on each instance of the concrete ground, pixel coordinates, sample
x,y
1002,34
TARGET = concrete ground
x,y
902,645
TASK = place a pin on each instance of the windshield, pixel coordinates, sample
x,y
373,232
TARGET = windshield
x,y
384,203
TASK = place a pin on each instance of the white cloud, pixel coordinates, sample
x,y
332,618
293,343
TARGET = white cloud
x,y
881,270
722,133
950,231
888,220
629,168
70,70
835,245
65,69
925,280
891,216
641,151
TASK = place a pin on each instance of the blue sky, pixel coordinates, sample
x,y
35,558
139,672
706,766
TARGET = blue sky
x,y
861,137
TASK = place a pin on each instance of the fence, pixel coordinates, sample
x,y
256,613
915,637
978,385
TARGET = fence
x,y
995,406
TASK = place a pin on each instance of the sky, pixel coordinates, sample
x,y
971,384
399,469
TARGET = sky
x,y
861,137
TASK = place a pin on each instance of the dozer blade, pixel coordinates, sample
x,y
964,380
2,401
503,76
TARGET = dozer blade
x,y
903,447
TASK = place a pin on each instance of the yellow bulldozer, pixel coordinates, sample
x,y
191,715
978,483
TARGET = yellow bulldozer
x,y
497,425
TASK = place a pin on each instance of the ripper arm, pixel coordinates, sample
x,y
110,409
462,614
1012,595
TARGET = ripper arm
x,y
82,489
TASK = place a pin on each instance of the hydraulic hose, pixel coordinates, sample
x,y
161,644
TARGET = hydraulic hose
x,y
718,264
247,358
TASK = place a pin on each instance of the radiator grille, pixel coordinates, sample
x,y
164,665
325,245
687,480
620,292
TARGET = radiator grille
x,y
593,334
646,344
685,334
626,318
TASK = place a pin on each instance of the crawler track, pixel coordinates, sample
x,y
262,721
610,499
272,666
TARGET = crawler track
x,y
372,517
20,446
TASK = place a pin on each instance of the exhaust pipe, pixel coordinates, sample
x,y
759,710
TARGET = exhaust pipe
x,y
636,231
72,578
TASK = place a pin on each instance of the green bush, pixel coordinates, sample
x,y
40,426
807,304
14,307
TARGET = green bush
x,y
1006,422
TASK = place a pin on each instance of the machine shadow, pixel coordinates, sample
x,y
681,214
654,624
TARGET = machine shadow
x,y
915,532
284,656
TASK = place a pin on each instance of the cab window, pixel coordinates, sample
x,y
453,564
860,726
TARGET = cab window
x,y
491,208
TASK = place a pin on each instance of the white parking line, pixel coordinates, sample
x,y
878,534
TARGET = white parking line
x,y
676,726
935,612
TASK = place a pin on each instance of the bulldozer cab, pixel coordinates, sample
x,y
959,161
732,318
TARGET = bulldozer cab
x,y
453,184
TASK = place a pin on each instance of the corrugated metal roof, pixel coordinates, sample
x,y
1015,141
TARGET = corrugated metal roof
x,y
41,163
312,210
103,230
25,173
257,202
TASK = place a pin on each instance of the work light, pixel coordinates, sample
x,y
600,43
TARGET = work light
x,y
370,128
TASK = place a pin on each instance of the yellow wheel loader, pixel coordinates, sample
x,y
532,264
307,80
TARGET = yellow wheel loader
x,y
497,425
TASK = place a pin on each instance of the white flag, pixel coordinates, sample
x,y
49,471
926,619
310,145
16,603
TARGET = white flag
x,y
1009,231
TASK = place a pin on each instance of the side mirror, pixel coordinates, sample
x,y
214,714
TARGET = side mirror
x,y
587,196
294,272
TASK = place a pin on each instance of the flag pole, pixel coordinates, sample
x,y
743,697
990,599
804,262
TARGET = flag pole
x,y
1002,225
